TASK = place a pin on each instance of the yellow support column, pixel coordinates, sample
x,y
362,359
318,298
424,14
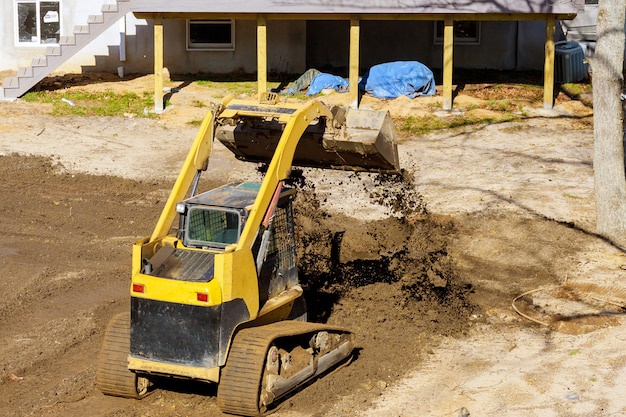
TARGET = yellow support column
x,y
261,39
355,35
158,64
448,46
548,67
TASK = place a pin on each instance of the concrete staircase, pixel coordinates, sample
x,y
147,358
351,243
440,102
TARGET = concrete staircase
x,y
67,47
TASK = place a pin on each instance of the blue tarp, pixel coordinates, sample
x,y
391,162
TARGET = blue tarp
x,y
322,81
393,79
316,81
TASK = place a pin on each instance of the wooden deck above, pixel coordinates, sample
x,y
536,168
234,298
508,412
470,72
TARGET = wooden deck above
x,y
361,7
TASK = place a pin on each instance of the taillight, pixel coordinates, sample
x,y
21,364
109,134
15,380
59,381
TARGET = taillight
x,y
140,288
202,297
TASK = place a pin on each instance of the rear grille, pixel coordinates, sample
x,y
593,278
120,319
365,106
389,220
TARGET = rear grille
x,y
186,265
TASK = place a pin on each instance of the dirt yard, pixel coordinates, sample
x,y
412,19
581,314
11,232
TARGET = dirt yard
x,y
477,286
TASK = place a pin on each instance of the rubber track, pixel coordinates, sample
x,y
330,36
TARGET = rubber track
x,y
240,380
112,374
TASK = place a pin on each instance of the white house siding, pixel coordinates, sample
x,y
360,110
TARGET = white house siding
x,y
286,49
73,12
286,52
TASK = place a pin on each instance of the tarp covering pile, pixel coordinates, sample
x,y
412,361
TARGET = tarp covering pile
x,y
327,81
386,81
315,81
393,79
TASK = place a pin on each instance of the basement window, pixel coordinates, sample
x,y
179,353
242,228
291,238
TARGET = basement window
x,y
37,22
466,32
210,35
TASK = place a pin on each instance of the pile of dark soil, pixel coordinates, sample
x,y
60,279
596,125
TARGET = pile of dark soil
x,y
391,282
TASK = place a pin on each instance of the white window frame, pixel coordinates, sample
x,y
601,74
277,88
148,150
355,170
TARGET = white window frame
x,y
438,40
208,46
35,40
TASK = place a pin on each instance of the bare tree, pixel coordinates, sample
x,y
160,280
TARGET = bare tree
x,y
608,158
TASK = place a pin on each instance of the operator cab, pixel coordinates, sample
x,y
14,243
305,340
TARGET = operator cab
x,y
212,221
215,219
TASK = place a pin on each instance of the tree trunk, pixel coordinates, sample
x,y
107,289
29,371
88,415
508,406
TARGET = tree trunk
x,y
608,158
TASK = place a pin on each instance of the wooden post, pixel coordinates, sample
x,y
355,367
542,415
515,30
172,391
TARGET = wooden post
x,y
548,67
353,75
158,64
261,34
448,46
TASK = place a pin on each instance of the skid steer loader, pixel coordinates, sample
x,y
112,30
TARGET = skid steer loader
x,y
215,296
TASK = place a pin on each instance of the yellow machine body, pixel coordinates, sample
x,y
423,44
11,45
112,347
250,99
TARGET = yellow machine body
x,y
226,278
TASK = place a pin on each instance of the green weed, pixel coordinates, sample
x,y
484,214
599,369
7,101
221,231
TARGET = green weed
x,y
426,124
84,103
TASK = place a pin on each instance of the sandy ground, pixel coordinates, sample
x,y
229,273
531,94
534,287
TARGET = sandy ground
x,y
515,201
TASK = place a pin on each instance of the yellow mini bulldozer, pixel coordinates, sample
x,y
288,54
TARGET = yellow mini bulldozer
x,y
214,293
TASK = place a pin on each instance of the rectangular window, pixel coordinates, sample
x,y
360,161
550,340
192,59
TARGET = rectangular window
x,y
212,227
38,22
210,35
465,32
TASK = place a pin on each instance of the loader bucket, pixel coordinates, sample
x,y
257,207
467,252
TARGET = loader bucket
x,y
354,139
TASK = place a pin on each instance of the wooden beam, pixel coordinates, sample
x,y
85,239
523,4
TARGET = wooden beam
x,y
353,76
158,64
448,46
548,66
261,40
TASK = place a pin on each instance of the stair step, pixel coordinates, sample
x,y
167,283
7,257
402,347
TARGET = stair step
x,y
67,40
53,50
25,72
39,61
81,30
11,82
109,8
9,94
95,18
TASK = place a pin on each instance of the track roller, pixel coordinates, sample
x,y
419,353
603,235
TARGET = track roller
x,y
266,363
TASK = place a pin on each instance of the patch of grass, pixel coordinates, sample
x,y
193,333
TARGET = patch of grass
x,y
515,128
301,96
501,105
576,89
529,92
194,122
426,124
84,103
234,87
